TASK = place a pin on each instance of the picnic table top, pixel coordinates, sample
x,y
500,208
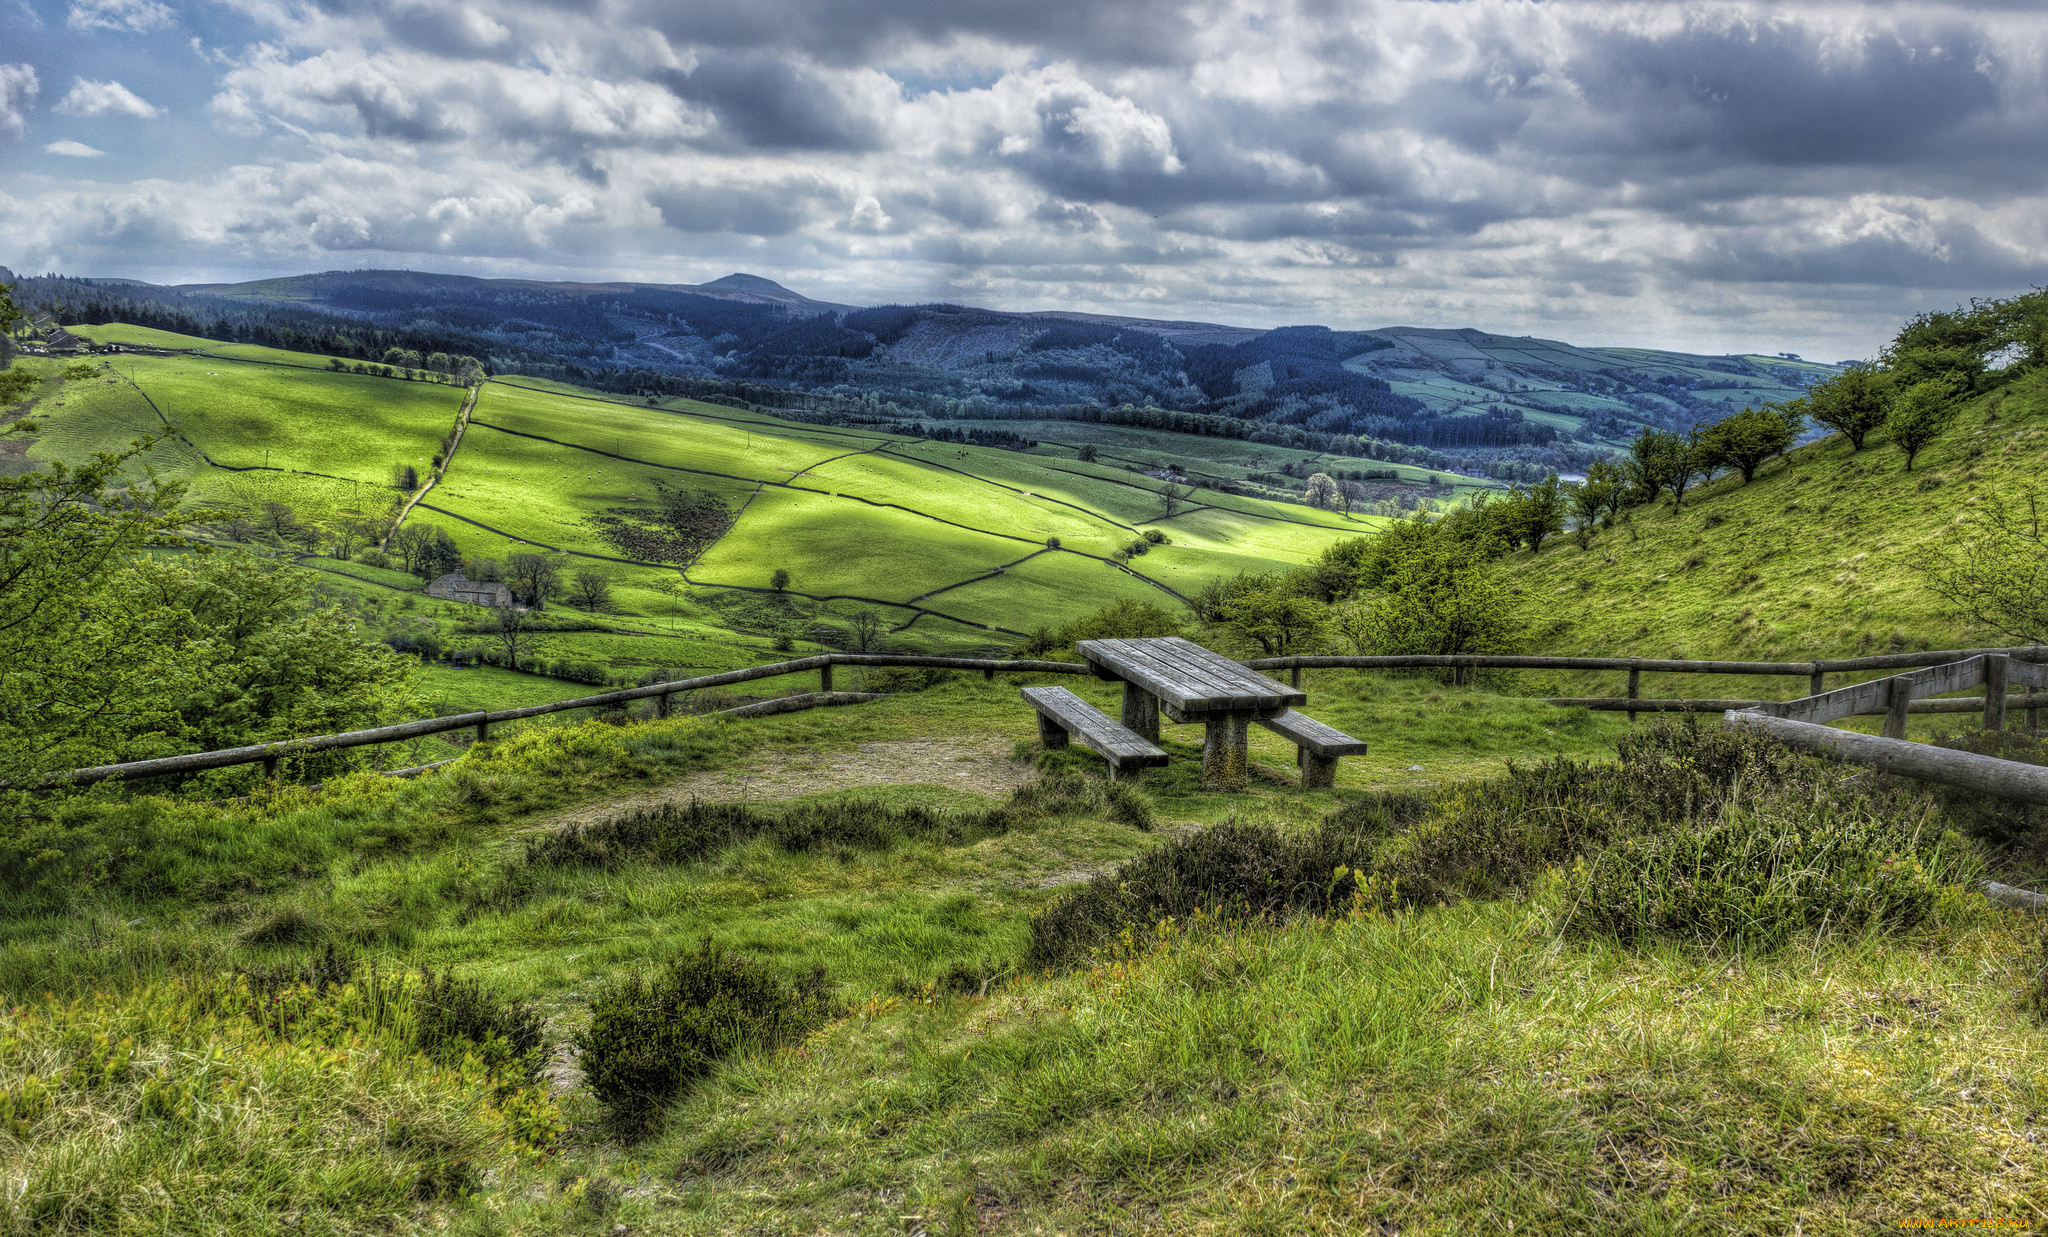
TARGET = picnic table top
x,y
1187,677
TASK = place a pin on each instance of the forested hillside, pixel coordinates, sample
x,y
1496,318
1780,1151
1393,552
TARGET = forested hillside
x,y
1510,409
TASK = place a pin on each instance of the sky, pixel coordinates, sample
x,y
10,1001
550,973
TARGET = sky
x,y
1710,175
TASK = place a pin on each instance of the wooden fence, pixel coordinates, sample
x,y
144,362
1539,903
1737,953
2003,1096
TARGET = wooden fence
x,y
270,754
1803,724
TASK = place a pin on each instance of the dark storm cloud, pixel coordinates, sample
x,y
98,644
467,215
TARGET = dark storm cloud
x,y
768,102
1776,95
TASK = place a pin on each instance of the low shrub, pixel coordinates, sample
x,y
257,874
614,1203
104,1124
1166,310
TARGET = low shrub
x,y
906,678
674,833
1231,871
652,1035
1765,871
581,672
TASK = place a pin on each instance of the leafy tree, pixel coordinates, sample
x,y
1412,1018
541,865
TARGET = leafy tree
x,y
1589,501
1085,453
1994,568
426,550
591,589
1953,348
533,578
1923,411
1646,465
1537,511
1685,462
1439,596
780,580
866,626
1852,403
278,519
485,570
1273,616
1744,440
1123,619
511,627
1172,498
272,661
1322,492
405,478
79,676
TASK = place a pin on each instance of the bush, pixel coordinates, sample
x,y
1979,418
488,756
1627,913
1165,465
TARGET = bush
x,y
650,1036
581,672
906,678
1232,870
1764,872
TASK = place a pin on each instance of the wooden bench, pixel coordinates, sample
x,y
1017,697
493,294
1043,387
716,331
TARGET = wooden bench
x,y
1317,746
1062,714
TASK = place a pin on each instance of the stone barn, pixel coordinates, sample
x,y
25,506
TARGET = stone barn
x,y
457,587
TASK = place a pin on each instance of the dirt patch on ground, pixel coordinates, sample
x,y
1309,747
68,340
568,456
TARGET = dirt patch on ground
x,y
983,766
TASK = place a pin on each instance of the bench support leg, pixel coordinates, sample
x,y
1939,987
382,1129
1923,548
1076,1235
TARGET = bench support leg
x,y
1050,733
1317,772
1126,773
1141,711
1224,754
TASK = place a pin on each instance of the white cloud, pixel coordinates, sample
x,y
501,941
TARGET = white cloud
x,y
17,86
75,150
1713,173
127,16
105,99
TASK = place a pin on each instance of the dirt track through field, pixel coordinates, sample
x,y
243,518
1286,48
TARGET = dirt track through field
x,y
981,765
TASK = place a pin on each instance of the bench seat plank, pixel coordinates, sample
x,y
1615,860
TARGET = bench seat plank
x,y
1302,730
1122,747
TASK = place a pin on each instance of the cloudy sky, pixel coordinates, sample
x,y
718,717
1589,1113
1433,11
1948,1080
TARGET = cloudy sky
x,y
1711,175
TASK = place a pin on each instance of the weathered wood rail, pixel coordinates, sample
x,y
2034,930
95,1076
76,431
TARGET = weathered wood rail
x,y
1803,724
270,754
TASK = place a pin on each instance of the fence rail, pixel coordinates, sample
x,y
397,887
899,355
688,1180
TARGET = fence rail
x,y
269,754
1803,724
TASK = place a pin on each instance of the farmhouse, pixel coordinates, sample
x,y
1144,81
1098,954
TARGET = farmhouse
x,y
457,587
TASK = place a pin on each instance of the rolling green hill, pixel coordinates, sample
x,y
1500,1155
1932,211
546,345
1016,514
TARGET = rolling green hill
x,y
1596,394
958,547
1815,558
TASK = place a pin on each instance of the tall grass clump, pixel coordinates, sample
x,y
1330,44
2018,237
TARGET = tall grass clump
x,y
326,1098
1231,871
675,833
1695,834
652,1035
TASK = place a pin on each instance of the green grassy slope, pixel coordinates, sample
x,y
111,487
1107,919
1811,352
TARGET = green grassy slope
x,y
1812,559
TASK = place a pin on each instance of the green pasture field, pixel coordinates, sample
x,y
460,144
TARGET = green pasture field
x,y
682,436
342,425
140,336
832,546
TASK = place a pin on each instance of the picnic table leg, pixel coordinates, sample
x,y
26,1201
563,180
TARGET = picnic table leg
x,y
1224,754
1141,711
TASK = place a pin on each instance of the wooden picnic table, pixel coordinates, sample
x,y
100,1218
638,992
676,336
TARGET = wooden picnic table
x,y
1192,684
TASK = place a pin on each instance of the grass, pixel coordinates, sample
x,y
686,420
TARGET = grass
x,y
1740,572
1472,1067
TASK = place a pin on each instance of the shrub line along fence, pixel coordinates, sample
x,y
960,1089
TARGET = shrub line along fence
x,y
269,754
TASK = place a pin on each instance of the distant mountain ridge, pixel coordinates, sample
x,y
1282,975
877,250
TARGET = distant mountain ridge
x,y
1461,398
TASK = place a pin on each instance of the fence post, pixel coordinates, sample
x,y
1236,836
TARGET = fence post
x,y
1994,692
1900,697
1635,686
1816,683
988,675
483,729
1294,675
1458,675
825,676
663,703
270,768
